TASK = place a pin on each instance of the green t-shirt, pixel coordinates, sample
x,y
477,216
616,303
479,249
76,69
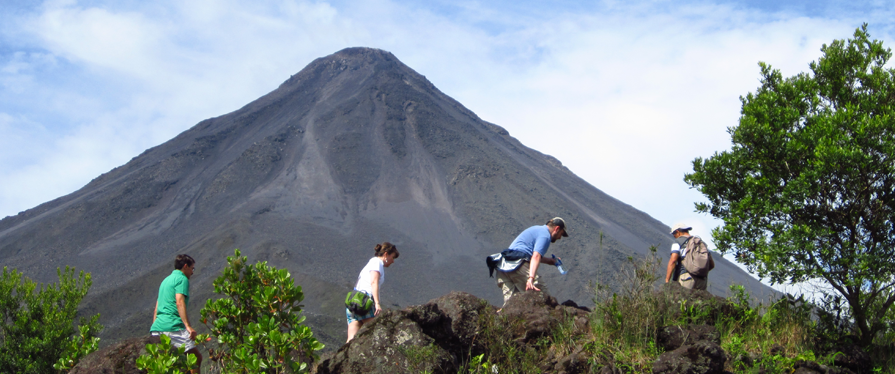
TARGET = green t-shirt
x,y
167,318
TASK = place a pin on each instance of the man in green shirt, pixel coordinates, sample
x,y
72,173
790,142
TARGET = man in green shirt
x,y
169,317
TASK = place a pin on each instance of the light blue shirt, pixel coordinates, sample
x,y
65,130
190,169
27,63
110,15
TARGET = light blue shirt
x,y
533,239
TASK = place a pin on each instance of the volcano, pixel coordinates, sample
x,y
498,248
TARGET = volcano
x,y
354,150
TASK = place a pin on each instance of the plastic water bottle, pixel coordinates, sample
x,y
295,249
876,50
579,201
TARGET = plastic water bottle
x,y
559,265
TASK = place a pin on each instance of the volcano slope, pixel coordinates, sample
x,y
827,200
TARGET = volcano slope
x,y
354,150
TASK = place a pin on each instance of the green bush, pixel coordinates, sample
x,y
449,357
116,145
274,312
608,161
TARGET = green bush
x,y
83,344
257,326
163,358
38,322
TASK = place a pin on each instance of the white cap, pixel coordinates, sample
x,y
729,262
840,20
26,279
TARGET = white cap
x,y
680,226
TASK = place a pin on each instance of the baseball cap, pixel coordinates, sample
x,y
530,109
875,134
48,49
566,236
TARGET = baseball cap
x,y
680,226
561,223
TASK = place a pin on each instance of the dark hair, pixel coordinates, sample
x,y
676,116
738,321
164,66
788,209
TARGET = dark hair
x,y
386,248
182,260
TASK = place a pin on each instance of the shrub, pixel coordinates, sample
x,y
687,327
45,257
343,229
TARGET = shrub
x,y
38,322
83,344
163,358
257,326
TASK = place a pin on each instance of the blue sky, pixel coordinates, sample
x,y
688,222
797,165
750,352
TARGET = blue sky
x,y
625,93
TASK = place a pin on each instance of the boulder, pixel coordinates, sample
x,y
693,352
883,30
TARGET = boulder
x,y
670,338
702,357
391,343
451,320
535,310
118,358
432,337
438,336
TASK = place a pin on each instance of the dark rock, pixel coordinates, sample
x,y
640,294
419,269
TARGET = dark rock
x,y
852,357
811,367
573,304
536,312
610,369
572,364
777,350
670,338
451,320
391,343
118,358
703,357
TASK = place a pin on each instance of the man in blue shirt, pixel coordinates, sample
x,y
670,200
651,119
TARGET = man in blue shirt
x,y
533,244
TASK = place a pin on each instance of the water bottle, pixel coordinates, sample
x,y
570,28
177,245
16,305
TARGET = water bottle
x,y
559,265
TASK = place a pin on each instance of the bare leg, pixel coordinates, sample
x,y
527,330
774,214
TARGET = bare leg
x,y
354,326
352,329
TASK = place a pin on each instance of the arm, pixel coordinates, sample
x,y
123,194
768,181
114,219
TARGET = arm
x,y
181,310
375,287
155,312
672,263
532,271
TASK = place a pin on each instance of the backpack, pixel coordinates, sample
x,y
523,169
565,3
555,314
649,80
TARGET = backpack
x,y
696,260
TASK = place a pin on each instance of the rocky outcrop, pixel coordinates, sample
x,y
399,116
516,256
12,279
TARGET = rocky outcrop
x,y
438,336
119,358
425,338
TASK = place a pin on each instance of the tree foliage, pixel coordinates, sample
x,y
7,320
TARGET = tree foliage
x,y
37,322
257,326
807,191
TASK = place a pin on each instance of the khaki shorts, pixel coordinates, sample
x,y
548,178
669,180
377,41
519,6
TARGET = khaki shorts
x,y
178,338
513,282
690,282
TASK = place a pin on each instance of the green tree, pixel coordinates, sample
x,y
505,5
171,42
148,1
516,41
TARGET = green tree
x,y
807,191
257,326
38,322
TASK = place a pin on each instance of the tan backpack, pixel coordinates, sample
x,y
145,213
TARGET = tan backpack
x,y
696,259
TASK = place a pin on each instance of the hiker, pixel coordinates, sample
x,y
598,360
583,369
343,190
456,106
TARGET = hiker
x,y
369,281
517,267
169,317
696,278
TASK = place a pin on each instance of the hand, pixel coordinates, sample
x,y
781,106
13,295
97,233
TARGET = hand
x,y
378,310
192,333
530,285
